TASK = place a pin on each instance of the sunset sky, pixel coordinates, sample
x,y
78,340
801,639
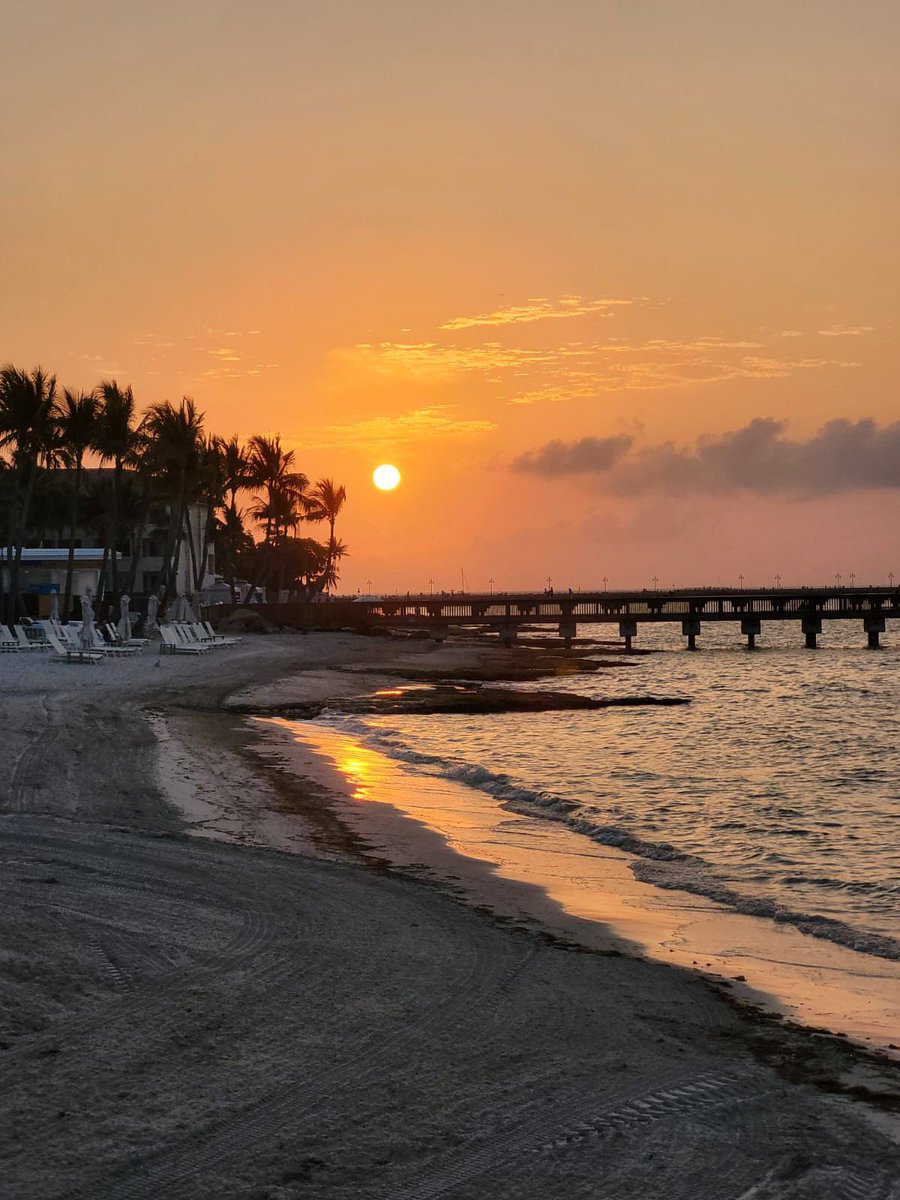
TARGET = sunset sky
x,y
599,277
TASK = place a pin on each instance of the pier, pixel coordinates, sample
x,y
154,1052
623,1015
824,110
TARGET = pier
x,y
506,614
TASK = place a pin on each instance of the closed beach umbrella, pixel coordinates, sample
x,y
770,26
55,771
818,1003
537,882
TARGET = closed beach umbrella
x,y
54,607
195,607
124,627
150,624
180,609
87,622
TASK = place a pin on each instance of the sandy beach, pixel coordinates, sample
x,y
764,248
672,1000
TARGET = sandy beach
x,y
215,984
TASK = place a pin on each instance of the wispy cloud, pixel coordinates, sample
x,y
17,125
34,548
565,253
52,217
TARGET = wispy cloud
x,y
539,308
429,361
846,330
842,456
437,421
572,370
228,371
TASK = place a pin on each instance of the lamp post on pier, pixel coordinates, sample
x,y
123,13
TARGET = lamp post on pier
x,y
605,581
369,587
837,578
430,587
852,579
778,581
741,581
491,584
655,582
891,578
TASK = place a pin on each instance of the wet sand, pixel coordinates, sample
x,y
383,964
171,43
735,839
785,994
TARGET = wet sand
x,y
271,1010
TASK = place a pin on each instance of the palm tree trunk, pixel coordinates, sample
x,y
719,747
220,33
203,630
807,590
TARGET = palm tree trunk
x,y
192,551
15,594
208,531
173,538
140,528
70,565
182,508
12,538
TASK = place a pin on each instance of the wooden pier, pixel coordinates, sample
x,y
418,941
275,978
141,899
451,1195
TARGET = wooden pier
x,y
505,614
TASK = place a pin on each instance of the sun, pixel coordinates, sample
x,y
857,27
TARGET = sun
x,y
386,477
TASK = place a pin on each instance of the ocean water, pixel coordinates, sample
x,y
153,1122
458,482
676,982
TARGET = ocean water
x,y
776,791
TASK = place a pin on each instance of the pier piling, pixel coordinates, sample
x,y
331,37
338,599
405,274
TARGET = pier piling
x,y
751,627
690,628
628,631
812,627
874,625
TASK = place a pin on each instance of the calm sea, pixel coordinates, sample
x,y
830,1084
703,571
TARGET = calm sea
x,y
775,791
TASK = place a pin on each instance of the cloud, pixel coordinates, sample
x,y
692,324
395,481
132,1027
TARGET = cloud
x,y
417,425
538,308
226,354
587,455
428,361
759,458
846,330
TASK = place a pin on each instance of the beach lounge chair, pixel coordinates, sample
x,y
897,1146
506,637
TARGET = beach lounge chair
x,y
8,643
196,631
189,634
25,644
71,654
218,639
114,649
113,638
172,644
64,634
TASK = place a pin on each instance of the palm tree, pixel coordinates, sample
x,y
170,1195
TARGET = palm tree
x,y
326,504
237,477
329,576
175,437
115,441
207,485
78,427
284,489
280,502
27,415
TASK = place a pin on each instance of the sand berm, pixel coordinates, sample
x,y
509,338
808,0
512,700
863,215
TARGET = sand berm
x,y
199,1016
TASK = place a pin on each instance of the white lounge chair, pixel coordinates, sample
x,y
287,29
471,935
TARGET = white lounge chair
x,y
112,634
114,649
172,644
71,654
25,644
64,634
218,639
8,643
190,634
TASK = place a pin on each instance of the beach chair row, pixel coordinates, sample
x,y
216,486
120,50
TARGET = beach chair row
x,y
68,644
193,637
16,640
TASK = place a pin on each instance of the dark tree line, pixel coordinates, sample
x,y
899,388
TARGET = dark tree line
x,y
252,496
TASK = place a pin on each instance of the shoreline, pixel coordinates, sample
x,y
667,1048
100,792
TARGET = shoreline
x,y
824,987
821,988
191,1042
527,868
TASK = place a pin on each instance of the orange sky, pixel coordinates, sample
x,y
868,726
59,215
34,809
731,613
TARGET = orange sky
x,y
445,235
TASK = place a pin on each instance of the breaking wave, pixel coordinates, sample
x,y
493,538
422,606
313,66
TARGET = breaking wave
x,y
655,862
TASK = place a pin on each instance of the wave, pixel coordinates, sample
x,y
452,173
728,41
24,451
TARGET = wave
x,y
656,862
